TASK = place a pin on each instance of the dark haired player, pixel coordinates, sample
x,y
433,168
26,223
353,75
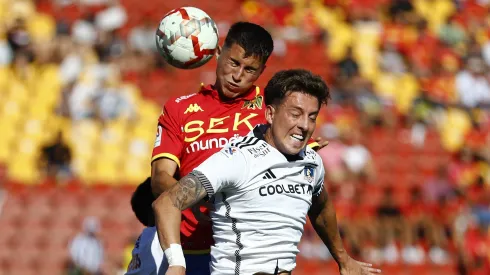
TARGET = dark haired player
x,y
263,187
191,128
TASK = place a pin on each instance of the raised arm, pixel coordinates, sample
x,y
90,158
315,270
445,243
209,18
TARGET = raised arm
x,y
168,209
323,218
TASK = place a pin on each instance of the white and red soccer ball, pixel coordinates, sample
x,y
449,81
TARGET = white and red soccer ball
x,y
187,37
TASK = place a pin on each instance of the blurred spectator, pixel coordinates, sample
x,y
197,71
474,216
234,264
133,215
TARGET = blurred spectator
x,y
357,157
113,99
391,60
412,251
452,33
464,170
56,159
389,214
476,248
82,101
17,35
348,67
332,155
471,84
86,250
439,186
142,37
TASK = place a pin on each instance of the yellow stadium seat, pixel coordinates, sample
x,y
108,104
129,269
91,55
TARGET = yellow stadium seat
x,y
28,147
454,128
435,12
367,57
342,36
408,89
144,131
18,91
135,171
83,149
24,170
149,110
5,152
12,110
386,85
109,153
108,172
41,27
4,79
81,166
85,129
34,129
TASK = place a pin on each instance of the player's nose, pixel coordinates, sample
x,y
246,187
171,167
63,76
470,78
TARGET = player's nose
x,y
237,75
303,123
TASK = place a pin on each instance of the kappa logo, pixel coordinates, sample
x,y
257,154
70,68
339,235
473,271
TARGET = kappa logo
x,y
193,108
309,173
253,104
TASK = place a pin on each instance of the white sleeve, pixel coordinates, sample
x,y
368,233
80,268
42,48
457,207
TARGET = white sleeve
x,y
228,167
320,181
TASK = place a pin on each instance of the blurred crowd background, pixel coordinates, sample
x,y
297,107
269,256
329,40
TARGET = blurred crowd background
x,y
81,87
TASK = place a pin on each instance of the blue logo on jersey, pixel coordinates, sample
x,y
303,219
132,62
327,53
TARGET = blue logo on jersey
x,y
309,173
231,150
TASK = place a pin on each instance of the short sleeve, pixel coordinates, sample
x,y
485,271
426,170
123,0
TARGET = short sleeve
x,y
169,139
320,180
226,168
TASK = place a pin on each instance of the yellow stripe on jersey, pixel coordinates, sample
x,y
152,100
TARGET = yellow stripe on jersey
x,y
313,145
167,155
257,90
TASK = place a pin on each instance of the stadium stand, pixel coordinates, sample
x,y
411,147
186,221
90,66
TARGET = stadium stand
x,y
408,163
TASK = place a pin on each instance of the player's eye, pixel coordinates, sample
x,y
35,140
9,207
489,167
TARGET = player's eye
x,y
295,115
250,71
234,63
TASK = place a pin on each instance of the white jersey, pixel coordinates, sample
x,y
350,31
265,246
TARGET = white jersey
x,y
148,257
261,202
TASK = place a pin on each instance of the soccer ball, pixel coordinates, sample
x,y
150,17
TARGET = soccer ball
x,y
187,38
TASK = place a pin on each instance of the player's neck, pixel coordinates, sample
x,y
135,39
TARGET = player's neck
x,y
221,95
268,137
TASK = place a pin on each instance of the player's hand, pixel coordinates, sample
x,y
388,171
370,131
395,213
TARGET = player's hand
x,y
353,267
175,270
321,143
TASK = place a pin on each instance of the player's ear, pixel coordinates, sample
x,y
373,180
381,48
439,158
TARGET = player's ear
x,y
217,53
269,113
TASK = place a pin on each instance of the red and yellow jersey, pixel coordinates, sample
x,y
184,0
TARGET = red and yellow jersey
x,y
191,128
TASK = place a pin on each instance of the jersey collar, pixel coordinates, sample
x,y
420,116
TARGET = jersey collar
x,y
259,132
250,95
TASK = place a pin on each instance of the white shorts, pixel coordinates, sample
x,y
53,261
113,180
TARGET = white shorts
x,y
148,257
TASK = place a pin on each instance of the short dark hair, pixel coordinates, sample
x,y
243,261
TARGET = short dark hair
x,y
254,39
141,201
295,80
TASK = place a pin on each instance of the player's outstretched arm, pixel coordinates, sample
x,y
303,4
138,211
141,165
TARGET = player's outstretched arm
x,y
168,208
323,218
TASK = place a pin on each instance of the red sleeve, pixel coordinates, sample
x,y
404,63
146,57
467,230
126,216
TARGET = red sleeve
x,y
169,139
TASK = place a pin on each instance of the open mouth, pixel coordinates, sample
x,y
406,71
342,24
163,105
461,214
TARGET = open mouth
x,y
298,137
